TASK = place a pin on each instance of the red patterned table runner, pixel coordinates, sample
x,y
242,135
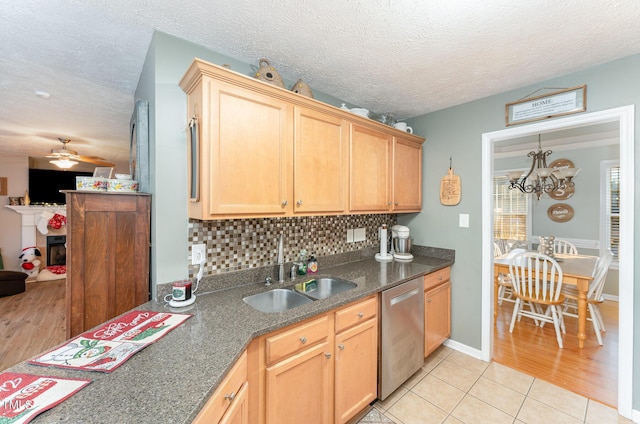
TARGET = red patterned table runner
x,y
109,346
23,396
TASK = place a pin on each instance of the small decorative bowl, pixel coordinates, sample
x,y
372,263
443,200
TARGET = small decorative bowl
x,y
360,111
125,186
91,184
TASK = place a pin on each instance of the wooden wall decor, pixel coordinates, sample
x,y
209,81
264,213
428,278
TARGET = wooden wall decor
x,y
3,186
560,212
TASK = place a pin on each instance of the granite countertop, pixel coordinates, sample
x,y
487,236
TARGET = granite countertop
x,y
170,380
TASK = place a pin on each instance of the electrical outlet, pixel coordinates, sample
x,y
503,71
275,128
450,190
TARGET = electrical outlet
x,y
360,234
198,253
350,235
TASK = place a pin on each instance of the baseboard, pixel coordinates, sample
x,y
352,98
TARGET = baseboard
x,y
635,416
476,353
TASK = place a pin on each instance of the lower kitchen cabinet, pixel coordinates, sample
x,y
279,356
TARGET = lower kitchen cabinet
x,y
356,378
437,309
229,403
298,389
321,371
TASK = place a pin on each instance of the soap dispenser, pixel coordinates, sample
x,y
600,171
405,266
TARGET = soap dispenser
x,y
312,265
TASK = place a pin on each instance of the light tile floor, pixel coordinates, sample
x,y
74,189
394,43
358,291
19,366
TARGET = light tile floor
x,y
454,388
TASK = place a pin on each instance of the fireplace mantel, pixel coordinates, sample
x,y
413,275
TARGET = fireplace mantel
x,y
30,217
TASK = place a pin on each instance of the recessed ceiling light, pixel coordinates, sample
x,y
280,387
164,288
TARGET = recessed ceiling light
x,y
42,94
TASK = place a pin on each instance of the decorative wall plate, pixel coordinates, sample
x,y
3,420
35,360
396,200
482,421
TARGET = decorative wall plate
x,y
562,193
565,193
560,212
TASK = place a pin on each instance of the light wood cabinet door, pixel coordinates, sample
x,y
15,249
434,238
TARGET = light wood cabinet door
x,y
407,175
238,412
229,403
299,388
437,316
370,170
356,369
249,153
321,148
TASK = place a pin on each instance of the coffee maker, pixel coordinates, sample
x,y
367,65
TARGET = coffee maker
x,y
401,243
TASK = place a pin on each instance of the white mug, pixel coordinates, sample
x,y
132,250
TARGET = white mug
x,y
402,126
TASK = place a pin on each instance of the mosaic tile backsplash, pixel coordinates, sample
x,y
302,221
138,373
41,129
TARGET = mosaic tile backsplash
x,y
239,244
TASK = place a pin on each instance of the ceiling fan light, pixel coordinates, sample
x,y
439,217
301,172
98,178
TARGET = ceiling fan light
x,y
63,163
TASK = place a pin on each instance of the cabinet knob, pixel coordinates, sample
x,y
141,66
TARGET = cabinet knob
x,y
428,300
341,346
388,203
230,397
440,277
303,340
299,203
328,355
360,314
396,203
285,203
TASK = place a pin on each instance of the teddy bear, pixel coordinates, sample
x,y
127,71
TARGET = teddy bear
x,y
30,263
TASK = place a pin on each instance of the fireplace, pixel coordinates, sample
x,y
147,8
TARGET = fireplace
x,y
56,250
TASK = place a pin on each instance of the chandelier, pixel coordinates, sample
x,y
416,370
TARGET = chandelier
x,y
540,179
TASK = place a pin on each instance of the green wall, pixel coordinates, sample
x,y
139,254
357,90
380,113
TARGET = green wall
x,y
456,132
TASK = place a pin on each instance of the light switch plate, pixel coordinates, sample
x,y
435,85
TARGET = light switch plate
x,y
350,235
360,234
464,220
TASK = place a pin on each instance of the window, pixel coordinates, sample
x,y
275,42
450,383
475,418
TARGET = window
x,y
610,213
510,211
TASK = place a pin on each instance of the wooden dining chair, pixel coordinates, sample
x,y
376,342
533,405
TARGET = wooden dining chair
x,y
594,296
564,247
537,280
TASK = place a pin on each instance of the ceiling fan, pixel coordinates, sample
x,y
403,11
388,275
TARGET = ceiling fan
x,y
65,158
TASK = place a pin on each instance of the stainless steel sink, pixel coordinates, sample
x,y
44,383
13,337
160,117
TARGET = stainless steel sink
x,y
276,300
329,286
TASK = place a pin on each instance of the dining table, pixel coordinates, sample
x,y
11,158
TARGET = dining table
x,y
577,270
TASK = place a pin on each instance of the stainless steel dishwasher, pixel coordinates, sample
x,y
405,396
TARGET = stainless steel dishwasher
x,y
401,335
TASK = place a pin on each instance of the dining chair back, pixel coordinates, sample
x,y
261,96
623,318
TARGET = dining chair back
x,y
537,280
496,250
564,247
594,296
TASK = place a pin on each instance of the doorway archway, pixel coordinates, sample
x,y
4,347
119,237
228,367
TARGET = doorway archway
x,y
624,116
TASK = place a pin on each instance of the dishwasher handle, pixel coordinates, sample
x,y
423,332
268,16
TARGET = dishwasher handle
x,y
403,297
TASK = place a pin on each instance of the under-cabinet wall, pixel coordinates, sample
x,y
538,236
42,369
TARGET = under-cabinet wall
x,y
250,243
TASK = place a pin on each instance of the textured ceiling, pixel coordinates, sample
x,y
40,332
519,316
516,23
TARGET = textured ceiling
x,y
404,57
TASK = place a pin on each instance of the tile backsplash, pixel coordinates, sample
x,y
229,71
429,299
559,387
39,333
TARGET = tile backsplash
x,y
239,244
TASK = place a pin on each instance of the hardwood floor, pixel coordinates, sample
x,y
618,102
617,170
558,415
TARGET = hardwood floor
x,y
31,322
591,372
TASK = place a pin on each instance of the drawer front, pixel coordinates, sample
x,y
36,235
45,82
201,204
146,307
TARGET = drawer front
x,y
356,314
225,394
436,278
299,337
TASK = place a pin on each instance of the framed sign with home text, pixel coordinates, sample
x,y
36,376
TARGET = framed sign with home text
x,y
557,103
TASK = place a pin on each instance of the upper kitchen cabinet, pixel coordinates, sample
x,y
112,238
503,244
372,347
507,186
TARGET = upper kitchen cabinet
x,y
385,172
320,162
370,170
257,150
407,175
240,164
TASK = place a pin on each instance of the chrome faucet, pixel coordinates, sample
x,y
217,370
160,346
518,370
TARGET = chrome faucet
x,y
280,260
294,269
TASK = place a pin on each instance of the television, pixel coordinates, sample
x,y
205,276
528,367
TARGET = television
x,y
45,185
